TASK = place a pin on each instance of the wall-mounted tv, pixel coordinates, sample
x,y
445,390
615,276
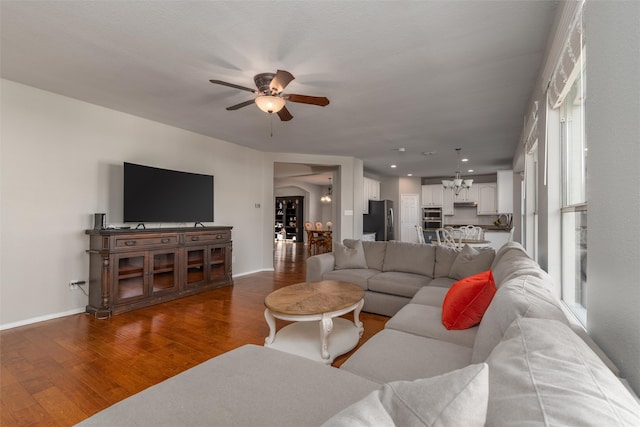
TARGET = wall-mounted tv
x,y
161,195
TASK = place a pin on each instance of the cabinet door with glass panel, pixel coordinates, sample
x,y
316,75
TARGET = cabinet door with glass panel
x,y
208,264
139,275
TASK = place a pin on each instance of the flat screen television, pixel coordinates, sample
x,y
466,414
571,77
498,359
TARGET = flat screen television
x,y
161,195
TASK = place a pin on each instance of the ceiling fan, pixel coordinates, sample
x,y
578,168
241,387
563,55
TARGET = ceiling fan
x,y
271,98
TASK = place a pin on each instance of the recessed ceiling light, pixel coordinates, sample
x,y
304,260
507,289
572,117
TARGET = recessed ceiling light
x,y
409,174
464,160
470,170
394,166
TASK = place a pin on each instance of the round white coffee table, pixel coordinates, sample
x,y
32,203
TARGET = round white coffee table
x,y
308,303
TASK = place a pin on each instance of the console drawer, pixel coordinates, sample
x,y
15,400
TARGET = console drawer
x,y
207,237
141,241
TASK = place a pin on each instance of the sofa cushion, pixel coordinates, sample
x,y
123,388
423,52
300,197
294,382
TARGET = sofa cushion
x,y
383,304
513,263
217,392
349,255
445,257
443,282
467,300
471,261
525,296
506,248
398,283
430,295
374,253
409,258
541,373
359,276
426,321
393,356
455,398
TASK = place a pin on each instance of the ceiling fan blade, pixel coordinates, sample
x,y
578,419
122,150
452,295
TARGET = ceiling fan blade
x,y
280,81
305,99
220,82
242,104
284,114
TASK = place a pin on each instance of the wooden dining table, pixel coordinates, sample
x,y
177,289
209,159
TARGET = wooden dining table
x,y
474,243
319,242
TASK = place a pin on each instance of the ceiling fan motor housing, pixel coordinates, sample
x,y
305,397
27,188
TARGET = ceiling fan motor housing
x,y
263,82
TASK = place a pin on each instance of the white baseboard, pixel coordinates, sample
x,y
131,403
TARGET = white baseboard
x,y
252,272
82,309
41,318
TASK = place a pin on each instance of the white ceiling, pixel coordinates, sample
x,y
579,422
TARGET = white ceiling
x,y
421,75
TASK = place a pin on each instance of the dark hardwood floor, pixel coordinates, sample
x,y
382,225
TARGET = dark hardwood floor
x,y
62,371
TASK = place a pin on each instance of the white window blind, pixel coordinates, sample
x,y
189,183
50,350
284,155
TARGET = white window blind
x,y
569,63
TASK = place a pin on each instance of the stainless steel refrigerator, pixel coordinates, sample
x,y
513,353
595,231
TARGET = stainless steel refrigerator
x,y
379,220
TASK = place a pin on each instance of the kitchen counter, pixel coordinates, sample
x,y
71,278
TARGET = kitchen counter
x,y
486,227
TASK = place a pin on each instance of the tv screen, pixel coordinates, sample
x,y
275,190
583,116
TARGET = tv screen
x,y
161,195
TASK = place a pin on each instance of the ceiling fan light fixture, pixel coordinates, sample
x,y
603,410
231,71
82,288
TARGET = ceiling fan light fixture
x,y
269,103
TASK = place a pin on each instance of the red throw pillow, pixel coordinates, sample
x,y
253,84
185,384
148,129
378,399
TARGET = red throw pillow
x,y
467,300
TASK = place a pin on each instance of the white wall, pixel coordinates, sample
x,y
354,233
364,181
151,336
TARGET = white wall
x,y
613,138
61,161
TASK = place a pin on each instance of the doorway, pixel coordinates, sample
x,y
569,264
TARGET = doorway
x,y
409,217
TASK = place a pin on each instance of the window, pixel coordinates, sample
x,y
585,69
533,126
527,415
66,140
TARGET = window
x,y
574,198
530,210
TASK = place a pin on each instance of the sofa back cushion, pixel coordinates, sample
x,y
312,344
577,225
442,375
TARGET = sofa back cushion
x,y
541,373
445,257
349,255
524,296
471,261
414,258
504,249
456,398
374,253
513,263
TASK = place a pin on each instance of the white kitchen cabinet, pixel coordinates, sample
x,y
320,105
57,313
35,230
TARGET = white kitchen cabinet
x,y
432,195
504,192
467,195
487,199
371,192
447,201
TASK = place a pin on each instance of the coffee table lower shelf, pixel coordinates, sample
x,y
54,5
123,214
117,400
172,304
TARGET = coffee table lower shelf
x,y
303,339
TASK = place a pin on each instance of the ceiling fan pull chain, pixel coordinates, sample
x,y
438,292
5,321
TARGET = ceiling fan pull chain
x,y
271,123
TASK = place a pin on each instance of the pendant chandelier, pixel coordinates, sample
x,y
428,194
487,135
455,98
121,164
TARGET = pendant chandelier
x,y
457,184
326,198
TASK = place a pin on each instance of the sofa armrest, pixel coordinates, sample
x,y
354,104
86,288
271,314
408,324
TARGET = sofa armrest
x,y
317,265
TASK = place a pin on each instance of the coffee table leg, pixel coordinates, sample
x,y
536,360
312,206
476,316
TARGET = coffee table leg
x,y
326,326
271,321
356,317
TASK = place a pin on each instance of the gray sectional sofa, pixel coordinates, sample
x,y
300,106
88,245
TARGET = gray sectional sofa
x,y
392,272
525,363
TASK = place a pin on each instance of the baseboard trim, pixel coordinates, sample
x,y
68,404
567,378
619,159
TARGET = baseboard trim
x,y
246,273
82,309
41,318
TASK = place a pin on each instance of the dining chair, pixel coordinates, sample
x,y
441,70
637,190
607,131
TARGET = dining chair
x,y
318,225
472,232
420,234
445,238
